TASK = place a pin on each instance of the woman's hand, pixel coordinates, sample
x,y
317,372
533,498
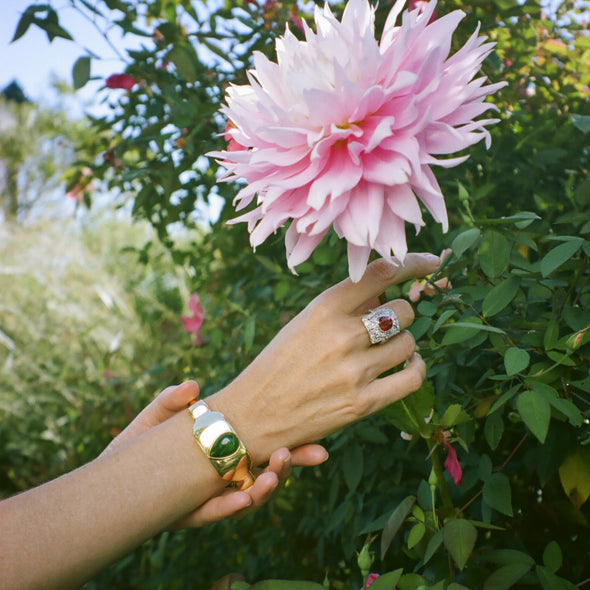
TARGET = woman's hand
x,y
229,503
320,372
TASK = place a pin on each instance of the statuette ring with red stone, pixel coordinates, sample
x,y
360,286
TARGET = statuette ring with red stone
x,y
381,324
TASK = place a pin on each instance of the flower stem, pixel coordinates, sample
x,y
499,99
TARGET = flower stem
x,y
442,484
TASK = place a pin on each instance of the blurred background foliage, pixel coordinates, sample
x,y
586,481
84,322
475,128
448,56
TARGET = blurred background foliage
x,y
90,323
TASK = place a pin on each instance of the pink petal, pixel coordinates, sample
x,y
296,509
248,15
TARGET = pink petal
x,y
358,256
452,464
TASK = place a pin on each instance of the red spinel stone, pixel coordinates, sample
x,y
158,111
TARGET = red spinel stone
x,y
385,323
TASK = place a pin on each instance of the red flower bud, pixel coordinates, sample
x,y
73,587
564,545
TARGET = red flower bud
x,y
124,81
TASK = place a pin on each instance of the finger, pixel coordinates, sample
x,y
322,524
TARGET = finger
x,y
280,464
226,505
308,456
387,355
171,401
387,390
380,275
174,399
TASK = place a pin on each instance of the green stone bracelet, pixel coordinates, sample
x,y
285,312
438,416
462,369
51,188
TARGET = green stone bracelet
x,y
222,446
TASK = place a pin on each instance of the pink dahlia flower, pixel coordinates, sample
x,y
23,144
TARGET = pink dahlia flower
x,y
342,130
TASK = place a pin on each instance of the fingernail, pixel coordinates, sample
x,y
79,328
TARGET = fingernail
x,y
326,457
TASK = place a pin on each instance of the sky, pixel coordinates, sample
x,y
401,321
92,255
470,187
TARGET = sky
x,y
33,61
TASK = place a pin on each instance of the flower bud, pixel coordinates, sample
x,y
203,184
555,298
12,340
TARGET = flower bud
x,y
365,560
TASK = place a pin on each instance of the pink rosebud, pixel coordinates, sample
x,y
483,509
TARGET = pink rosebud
x,y
422,286
193,323
296,19
124,81
452,464
422,6
232,144
508,63
370,579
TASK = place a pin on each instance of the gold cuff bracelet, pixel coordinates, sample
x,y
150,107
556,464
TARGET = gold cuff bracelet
x,y
222,446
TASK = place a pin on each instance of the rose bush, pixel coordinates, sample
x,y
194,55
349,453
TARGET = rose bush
x,y
507,344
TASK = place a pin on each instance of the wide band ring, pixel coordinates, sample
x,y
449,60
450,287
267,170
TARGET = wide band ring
x,y
222,446
381,324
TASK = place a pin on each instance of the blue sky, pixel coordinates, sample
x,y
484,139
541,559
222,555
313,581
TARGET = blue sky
x,y
32,60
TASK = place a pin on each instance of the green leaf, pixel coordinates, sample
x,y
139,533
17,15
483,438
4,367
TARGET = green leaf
x,y
185,61
516,360
549,581
415,535
352,467
433,545
50,24
560,254
26,20
410,414
494,253
574,474
454,415
464,241
240,585
493,429
461,331
552,557
582,122
567,408
395,522
500,296
387,581
497,494
455,586
551,335
81,72
506,576
459,537
509,556
535,412
505,397
419,327
249,333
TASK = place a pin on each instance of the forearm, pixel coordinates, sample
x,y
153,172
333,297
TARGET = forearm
x,y
62,533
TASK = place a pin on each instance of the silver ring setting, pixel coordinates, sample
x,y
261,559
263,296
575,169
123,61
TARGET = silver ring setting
x,y
381,324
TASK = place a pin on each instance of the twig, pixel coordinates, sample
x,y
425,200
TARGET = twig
x,y
514,450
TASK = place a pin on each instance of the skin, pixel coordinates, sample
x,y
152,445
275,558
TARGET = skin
x,y
317,375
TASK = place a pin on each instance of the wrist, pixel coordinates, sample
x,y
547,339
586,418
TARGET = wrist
x,y
240,416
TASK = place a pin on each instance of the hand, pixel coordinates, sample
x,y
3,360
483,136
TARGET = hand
x,y
320,372
229,503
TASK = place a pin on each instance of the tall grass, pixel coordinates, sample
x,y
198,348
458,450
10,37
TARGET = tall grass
x,y
87,336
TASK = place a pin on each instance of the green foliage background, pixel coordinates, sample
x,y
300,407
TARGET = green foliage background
x,y
507,348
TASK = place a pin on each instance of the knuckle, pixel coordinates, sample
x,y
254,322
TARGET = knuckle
x,y
349,377
384,270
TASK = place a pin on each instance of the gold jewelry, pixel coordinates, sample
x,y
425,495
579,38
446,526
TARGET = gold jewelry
x,y
222,446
